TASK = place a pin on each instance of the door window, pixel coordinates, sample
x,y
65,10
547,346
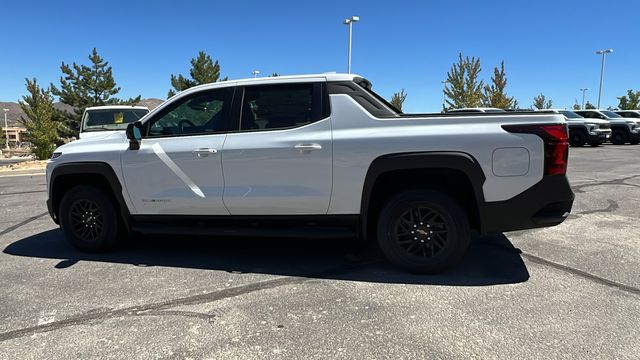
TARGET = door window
x,y
272,107
205,112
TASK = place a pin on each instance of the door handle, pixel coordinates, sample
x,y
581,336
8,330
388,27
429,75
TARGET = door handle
x,y
204,152
307,147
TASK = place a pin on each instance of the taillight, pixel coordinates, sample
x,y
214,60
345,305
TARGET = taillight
x,y
556,146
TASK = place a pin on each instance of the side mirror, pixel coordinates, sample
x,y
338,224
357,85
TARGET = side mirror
x,y
134,134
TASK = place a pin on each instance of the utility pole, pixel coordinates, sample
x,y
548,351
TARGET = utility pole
x,y
603,53
255,73
350,22
584,90
6,130
444,96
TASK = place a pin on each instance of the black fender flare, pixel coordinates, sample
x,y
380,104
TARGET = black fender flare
x,y
85,168
451,160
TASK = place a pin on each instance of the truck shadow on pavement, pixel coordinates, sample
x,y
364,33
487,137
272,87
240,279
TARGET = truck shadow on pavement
x,y
491,260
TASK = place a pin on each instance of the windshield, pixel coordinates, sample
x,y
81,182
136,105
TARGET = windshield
x,y
570,114
110,119
610,114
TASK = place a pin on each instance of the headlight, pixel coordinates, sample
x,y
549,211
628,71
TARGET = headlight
x,y
56,155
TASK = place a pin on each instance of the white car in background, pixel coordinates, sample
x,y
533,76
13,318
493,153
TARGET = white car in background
x,y
104,120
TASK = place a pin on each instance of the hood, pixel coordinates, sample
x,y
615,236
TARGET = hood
x,y
94,142
97,134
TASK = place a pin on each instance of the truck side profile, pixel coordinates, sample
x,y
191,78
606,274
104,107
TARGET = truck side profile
x,y
313,156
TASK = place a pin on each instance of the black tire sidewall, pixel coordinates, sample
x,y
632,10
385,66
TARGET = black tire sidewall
x,y
577,138
621,134
108,238
451,212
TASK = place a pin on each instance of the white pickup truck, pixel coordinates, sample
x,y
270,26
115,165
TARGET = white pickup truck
x,y
102,120
313,156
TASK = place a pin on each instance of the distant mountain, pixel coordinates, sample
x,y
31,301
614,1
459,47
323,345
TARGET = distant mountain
x,y
15,112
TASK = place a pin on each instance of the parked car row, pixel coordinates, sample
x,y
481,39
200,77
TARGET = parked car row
x,y
593,127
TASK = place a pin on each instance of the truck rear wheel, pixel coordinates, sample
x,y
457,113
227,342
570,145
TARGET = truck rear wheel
x,y
618,137
89,219
423,231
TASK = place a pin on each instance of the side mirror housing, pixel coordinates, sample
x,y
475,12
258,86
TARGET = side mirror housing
x,y
134,134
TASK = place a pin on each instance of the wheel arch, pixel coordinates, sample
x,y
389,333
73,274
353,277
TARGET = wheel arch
x,y
458,167
100,174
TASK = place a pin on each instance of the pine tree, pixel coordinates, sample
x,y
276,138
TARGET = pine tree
x,y
589,105
631,101
82,86
203,71
398,99
494,95
576,106
41,119
463,87
541,102
275,74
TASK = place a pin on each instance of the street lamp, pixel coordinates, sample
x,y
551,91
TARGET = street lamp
x,y
255,73
584,90
603,53
350,22
6,131
444,95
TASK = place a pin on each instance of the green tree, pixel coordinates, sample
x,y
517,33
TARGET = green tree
x,y
41,122
398,99
494,94
576,106
541,102
631,101
203,71
275,74
463,87
82,86
589,105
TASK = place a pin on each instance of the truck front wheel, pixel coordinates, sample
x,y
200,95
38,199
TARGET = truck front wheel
x,y
423,231
577,138
89,219
618,137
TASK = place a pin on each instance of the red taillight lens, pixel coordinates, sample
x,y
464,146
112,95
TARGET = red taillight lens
x,y
556,146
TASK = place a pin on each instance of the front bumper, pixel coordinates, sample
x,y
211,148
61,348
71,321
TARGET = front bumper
x,y
548,203
599,137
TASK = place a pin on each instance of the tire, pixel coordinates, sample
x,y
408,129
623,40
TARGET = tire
x,y
423,254
89,219
595,143
577,138
634,142
618,137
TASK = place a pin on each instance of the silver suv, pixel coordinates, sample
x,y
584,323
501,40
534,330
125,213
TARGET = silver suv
x,y
622,130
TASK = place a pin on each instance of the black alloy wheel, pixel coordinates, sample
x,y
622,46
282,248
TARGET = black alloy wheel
x,y
89,219
87,222
423,231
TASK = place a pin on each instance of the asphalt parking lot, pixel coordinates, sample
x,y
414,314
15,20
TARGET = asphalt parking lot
x,y
568,292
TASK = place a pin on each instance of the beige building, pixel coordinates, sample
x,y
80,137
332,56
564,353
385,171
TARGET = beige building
x,y
15,135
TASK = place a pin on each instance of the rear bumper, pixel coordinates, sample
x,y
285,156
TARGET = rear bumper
x,y
548,203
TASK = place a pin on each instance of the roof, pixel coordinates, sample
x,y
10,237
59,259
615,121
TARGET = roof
x,y
332,76
117,107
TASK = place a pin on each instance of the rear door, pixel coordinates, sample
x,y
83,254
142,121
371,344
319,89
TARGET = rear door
x,y
279,162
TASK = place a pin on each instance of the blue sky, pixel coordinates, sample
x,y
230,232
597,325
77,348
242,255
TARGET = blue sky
x,y
547,46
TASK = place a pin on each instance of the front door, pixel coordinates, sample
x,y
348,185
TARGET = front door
x,y
178,168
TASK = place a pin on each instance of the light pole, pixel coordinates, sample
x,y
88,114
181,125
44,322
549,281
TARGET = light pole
x,y
444,95
603,53
350,22
584,90
6,131
255,73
